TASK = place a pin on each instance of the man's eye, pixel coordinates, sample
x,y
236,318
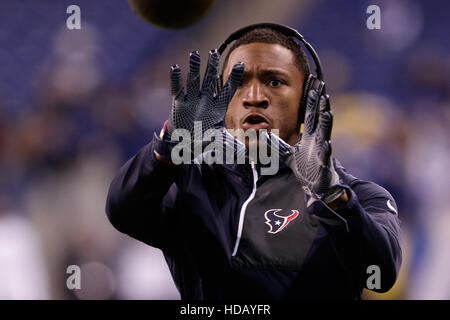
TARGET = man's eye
x,y
275,83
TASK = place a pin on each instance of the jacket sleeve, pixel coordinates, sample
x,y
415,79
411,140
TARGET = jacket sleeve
x,y
139,197
365,232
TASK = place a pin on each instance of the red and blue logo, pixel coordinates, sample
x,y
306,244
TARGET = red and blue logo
x,y
277,222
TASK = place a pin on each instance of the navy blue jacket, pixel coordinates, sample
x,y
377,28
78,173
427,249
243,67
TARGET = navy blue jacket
x,y
228,233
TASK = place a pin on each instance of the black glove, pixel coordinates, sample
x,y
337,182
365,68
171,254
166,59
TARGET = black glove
x,y
310,158
200,104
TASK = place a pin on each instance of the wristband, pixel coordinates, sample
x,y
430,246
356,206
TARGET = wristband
x,y
337,192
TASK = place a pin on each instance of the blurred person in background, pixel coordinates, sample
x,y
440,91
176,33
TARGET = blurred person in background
x,y
217,224
23,270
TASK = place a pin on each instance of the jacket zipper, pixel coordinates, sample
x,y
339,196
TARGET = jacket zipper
x,y
244,207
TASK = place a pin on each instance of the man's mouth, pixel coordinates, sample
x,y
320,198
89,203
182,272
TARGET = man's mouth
x,y
255,121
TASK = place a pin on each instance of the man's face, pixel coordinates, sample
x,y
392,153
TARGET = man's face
x,y
270,94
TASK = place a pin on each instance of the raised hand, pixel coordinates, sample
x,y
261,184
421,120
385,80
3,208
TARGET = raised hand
x,y
310,158
200,103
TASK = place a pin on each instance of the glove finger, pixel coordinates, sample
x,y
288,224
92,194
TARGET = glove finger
x,y
324,126
193,80
235,78
210,79
233,82
310,115
176,82
324,105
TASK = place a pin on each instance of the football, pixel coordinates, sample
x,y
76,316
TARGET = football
x,y
171,14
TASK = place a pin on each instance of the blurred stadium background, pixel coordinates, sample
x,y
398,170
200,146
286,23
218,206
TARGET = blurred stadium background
x,y
76,104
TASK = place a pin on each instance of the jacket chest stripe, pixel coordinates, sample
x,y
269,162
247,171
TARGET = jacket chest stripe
x,y
244,207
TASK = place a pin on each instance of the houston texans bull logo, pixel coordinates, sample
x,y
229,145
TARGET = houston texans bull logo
x,y
277,222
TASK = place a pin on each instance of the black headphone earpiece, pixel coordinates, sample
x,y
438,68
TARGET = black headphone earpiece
x,y
311,81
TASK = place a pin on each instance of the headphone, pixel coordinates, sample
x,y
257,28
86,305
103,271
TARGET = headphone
x,y
311,81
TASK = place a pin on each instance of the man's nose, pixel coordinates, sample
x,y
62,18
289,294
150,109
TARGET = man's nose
x,y
255,96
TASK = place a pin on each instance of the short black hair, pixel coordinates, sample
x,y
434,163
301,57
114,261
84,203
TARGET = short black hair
x,y
271,36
